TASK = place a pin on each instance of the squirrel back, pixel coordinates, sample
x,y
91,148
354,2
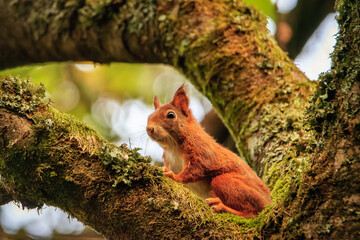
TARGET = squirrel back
x,y
193,157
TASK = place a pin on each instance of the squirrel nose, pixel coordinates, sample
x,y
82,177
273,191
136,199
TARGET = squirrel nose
x,y
150,129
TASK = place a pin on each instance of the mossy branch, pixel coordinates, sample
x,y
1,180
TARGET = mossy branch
x,y
52,158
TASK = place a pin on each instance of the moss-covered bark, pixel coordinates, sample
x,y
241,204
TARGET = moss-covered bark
x,y
327,203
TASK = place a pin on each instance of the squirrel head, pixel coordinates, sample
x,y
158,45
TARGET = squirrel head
x,y
169,121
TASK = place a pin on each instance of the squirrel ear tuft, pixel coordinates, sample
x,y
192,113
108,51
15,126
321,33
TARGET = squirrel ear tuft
x,y
157,102
181,100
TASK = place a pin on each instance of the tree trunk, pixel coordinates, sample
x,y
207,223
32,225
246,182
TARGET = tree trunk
x,y
225,50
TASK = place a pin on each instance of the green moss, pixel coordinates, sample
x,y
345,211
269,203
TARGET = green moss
x,y
141,14
340,80
127,166
20,96
304,174
333,113
287,157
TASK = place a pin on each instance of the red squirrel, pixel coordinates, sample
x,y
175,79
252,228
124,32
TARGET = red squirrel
x,y
194,158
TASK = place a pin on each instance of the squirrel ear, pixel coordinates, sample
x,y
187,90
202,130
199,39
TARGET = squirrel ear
x,y
181,100
156,102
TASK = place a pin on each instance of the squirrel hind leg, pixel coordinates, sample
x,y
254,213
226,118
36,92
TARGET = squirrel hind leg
x,y
218,206
235,196
213,201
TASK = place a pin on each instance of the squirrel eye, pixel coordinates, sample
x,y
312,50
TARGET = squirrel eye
x,y
171,115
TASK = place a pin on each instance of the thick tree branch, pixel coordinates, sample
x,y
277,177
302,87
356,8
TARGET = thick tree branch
x,y
101,31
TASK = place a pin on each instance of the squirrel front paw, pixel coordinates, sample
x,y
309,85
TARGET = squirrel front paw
x,y
169,173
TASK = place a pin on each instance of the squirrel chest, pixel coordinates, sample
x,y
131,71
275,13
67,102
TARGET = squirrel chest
x,y
174,161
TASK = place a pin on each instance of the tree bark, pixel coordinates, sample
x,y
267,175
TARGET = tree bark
x,y
225,50
331,192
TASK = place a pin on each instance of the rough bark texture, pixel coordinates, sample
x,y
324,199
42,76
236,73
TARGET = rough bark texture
x,y
327,202
223,47
335,115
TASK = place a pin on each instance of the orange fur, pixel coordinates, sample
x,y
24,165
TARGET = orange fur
x,y
234,186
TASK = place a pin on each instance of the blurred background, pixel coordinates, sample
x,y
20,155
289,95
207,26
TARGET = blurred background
x,y
116,100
